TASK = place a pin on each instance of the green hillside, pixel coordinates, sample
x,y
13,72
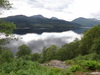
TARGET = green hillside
x,y
86,22
38,23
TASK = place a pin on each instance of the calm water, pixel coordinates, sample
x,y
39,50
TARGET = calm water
x,y
37,41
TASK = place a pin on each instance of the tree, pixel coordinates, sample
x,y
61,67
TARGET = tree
x,y
6,27
89,39
68,51
35,57
23,50
96,45
6,56
4,4
49,53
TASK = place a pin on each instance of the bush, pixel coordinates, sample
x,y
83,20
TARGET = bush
x,y
35,57
56,70
26,67
90,65
91,56
73,69
98,66
70,62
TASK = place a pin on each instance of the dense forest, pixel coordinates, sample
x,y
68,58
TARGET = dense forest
x,y
83,55
39,24
86,22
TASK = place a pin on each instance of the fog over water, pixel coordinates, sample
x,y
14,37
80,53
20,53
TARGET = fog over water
x,y
37,41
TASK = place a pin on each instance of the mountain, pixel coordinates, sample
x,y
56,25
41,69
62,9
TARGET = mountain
x,y
54,18
38,16
87,22
38,23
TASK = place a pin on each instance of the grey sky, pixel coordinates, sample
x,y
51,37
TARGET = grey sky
x,y
62,9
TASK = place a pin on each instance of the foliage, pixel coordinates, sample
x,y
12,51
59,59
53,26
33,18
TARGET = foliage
x,y
6,27
68,51
70,62
91,56
23,67
26,57
26,63
90,65
96,45
73,69
81,59
49,53
82,66
23,50
6,56
90,38
88,62
4,4
35,57
36,24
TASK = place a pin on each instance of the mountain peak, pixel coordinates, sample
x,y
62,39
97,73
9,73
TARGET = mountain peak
x,y
89,22
16,16
38,16
81,18
54,18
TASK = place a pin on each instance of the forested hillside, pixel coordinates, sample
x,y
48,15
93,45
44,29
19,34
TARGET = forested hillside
x,y
86,22
38,23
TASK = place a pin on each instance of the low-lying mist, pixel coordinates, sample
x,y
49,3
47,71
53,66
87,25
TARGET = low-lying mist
x,y
37,41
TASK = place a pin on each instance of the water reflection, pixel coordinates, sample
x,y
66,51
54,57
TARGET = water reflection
x,y
37,41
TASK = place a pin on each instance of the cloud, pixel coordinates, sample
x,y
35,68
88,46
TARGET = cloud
x,y
55,5
62,9
47,8
96,15
84,8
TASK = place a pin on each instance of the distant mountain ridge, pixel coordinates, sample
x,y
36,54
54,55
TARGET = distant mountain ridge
x,y
38,23
86,22
54,18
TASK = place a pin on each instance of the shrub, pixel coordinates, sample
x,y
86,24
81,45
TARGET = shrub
x,y
73,69
70,62
91,56
90,65
98,66
56,70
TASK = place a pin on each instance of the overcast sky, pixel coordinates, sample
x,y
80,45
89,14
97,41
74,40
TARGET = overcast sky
x,y
62,9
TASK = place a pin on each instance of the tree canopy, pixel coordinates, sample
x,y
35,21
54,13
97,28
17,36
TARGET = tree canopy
x,y
23,50
4,4
5,27
90,41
